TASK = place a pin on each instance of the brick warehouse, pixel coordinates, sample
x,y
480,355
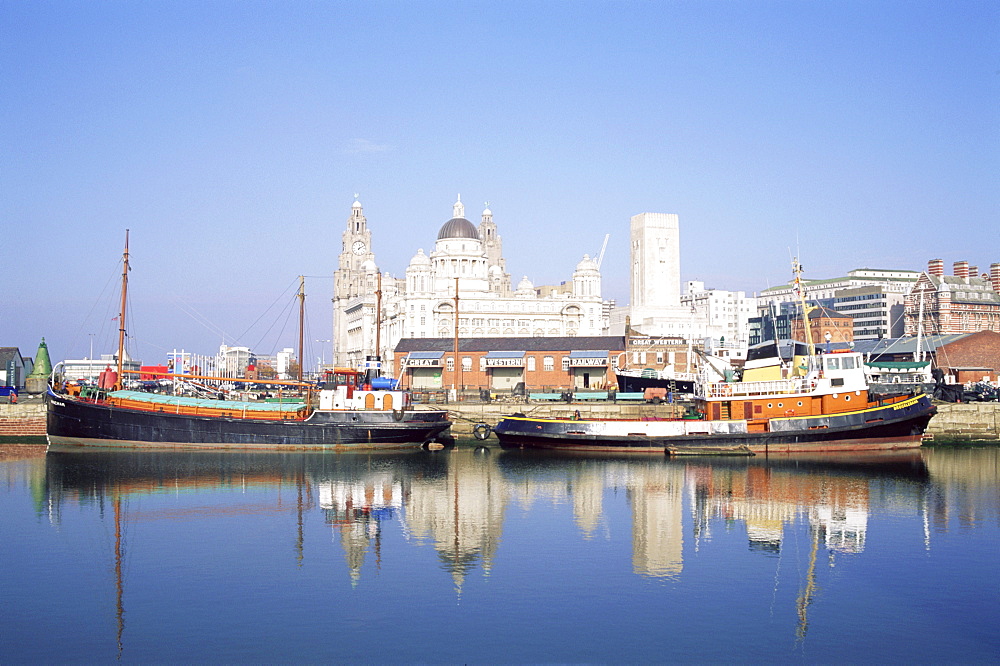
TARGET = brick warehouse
x,y
573,362
970,358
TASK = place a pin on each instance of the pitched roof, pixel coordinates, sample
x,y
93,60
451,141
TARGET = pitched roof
x,y
821,311
7,353
905,345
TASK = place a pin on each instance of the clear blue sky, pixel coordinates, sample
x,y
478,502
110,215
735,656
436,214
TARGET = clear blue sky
x,y
230,138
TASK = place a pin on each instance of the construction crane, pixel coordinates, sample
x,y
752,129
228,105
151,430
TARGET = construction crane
x,y
604,246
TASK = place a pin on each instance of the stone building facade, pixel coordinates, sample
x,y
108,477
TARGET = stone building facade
x,y
462,283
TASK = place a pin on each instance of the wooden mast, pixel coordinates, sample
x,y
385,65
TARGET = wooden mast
x,y
121,315
302,316
457,360
378,319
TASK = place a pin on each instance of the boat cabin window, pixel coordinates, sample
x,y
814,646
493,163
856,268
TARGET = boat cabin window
x,y
832,363
337,378
848,362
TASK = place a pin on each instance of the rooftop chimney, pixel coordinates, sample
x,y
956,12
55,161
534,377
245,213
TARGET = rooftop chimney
x,y
935,267
995,277
961,269
973,271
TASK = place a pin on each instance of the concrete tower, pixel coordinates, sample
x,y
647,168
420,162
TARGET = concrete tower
x,y
656,261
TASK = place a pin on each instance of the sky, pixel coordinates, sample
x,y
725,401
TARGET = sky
x,y
230,139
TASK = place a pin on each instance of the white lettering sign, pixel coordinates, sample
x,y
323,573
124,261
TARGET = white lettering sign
x,y
590,362
649,342
423,362
505,362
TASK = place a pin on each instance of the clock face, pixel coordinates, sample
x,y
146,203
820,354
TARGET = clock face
x,y
358,247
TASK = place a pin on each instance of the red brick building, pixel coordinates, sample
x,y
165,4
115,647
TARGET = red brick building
x,y
970,358
822,321
541,363
965,302
965,357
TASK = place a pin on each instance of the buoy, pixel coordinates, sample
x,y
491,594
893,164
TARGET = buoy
x,y
481,431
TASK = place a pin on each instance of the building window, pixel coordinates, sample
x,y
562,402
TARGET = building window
x,y
450,364
565,363
548,363
531,364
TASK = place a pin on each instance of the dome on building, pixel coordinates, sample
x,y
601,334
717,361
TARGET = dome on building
x,y
586,264
368,266
525,286
420,259
458,227
496,271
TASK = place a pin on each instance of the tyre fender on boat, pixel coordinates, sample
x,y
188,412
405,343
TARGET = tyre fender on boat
x,y
481,431
397,414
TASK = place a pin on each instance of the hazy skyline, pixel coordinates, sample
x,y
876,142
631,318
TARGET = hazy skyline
x,y
231,137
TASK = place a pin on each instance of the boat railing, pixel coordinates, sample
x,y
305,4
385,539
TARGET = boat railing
x,y
721,390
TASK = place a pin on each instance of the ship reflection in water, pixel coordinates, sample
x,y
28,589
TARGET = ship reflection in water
x,y
501,555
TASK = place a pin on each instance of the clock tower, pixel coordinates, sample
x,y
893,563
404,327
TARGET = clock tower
x,y
353,286
357,241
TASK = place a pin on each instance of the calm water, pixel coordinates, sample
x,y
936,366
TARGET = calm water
x,y
459,556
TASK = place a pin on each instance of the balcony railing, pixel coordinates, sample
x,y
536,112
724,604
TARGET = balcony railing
x,y
720,390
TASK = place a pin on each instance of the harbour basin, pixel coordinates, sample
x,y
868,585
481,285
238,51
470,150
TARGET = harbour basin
x,y
482,555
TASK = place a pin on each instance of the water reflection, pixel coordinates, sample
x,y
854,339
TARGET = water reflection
x,y
372,508
456,501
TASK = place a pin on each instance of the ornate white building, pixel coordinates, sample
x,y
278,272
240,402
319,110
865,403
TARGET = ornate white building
x,y
465,258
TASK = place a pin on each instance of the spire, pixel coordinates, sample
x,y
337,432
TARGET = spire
x,y
459,209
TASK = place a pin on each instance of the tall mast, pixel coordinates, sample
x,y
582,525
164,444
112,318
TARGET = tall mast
x,y
457,360
918,354
378,319
797,270
121,314
302,316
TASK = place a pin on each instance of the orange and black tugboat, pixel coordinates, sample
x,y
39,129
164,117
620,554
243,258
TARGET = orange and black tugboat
x,y
788,399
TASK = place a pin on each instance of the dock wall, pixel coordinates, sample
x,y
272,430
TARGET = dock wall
x,y
465,416
23,422
965,422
